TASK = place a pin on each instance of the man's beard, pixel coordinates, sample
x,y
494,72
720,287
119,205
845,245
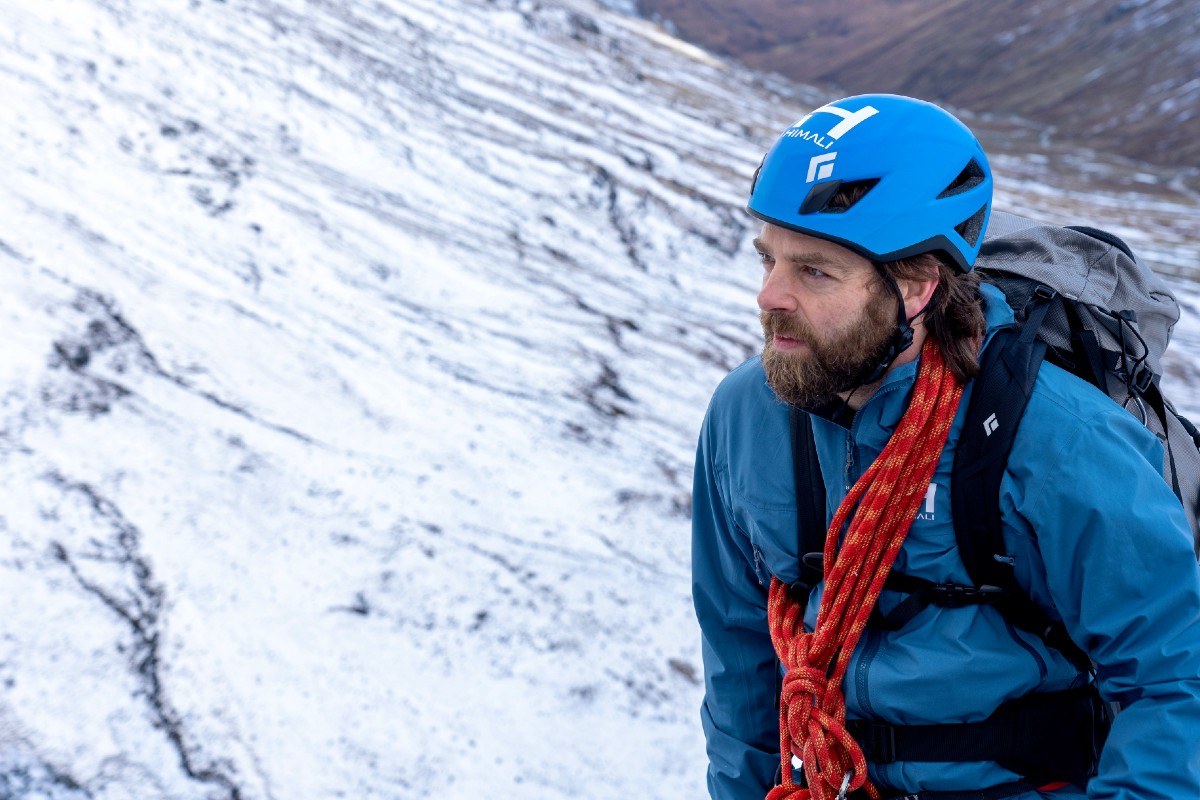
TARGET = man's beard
x,y
833,362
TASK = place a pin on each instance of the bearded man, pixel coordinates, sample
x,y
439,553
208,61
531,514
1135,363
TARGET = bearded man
x,y
874,209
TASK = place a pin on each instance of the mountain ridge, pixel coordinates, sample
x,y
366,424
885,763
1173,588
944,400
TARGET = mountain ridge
x,y
1110,74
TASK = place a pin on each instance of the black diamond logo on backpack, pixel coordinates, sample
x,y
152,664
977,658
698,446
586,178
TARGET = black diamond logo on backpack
x,y
990,424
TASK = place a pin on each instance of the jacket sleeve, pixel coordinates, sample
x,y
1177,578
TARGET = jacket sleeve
x,y
740,722
1120,569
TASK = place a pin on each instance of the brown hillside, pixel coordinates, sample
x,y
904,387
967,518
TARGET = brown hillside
x,y
1120,75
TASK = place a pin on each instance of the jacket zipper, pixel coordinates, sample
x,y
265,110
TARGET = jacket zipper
x,y
862,686
1037,658
874,639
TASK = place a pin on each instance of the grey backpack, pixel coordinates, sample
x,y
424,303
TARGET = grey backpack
x,y
1105,317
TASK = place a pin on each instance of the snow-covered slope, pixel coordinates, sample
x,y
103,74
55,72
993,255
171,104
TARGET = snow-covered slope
x,y
355,354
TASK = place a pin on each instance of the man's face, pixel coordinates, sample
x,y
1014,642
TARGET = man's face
x,y
826,316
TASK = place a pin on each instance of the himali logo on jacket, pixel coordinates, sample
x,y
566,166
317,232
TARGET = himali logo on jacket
x,y
928,509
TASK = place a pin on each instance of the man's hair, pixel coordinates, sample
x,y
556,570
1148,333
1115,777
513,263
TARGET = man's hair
x,y
954,317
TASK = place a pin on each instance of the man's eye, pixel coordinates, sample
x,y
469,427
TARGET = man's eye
x,y
813,272
765,259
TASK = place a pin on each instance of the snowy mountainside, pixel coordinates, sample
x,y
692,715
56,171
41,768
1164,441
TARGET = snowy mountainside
x,y
356,356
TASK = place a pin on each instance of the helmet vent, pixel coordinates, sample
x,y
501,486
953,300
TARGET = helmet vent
x,y
836,197
970,228
850,194
757,172
971,176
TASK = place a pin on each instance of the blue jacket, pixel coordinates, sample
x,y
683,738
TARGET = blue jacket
x,y
1098,539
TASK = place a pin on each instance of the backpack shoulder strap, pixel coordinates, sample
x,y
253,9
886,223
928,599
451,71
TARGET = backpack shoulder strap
x,y
998,401
810,498
1007,373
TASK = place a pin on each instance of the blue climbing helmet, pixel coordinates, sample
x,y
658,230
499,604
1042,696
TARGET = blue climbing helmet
x,y
927,181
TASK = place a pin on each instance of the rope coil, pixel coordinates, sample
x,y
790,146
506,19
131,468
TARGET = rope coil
x,y
812,708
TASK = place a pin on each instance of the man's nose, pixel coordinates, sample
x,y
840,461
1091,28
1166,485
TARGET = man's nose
x,y
778,292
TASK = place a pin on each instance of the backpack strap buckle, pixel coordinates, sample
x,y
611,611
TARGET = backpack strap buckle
x,y
1044,293
1142,380
954,595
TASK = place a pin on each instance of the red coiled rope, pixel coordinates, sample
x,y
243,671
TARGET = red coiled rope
x,y
812,708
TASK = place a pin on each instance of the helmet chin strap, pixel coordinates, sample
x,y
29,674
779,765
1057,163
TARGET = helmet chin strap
x,y
902,337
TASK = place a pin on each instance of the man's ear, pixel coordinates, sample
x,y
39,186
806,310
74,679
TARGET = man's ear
x,y
917,292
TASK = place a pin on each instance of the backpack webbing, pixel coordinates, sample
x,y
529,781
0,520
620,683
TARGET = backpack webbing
x,y
811,524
